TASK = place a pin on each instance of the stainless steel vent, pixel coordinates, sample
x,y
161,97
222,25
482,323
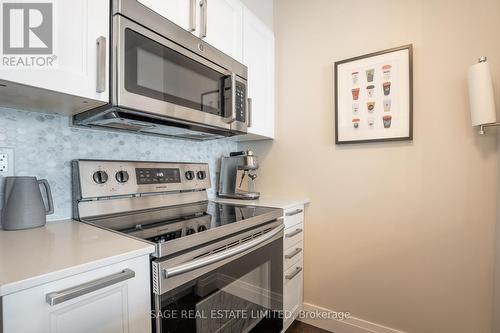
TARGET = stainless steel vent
x,y
141,123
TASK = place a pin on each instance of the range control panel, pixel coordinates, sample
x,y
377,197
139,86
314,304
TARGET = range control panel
x,y
157,175
115,178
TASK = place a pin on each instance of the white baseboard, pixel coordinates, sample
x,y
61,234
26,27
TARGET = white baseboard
x,y
347,325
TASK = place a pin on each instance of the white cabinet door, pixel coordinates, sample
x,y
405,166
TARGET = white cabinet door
x,y
293,287
258,56
224,26
77,26
122,306
181,12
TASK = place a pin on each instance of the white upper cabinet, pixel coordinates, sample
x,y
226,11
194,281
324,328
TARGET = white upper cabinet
x,y
80,49
181,12
218,22
224,26
258,56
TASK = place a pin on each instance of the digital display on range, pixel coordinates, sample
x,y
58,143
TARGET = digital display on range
x,y
157,176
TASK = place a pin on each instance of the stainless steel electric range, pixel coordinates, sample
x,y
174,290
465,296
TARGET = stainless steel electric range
x,y
216,268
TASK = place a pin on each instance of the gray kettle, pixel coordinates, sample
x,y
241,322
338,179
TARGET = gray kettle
x,y
23,206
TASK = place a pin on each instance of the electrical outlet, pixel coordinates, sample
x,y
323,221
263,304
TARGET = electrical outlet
x,y
6,162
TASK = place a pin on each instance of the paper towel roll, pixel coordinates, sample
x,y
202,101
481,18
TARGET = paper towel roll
x,y
481,95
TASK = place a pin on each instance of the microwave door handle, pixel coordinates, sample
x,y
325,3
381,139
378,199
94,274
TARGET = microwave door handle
x,y
232,117
202,262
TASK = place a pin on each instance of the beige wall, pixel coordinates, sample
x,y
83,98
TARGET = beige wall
x,y
401,234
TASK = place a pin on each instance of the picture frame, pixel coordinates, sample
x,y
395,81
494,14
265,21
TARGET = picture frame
x,y
374,97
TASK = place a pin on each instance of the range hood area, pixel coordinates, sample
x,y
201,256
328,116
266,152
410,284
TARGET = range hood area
x,y
147,75
113,118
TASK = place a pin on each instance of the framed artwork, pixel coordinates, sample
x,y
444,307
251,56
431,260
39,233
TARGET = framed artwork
x,y
374,97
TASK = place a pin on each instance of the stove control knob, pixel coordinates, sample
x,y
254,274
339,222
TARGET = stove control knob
x,y
100,177
122,176
202,228
201,175
189,175
190,231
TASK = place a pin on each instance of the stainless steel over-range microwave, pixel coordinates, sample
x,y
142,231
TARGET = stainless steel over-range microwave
x,y
166,81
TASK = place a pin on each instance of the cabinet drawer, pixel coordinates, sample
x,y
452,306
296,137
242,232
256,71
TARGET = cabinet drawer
x,y
294,215
293,254
293,287
294,235
119,301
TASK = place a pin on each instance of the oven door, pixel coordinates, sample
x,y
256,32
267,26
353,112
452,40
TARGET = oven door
x,y
156,75
231,286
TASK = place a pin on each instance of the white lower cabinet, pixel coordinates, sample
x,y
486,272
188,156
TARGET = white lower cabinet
x,y
293,263
110,299
293,285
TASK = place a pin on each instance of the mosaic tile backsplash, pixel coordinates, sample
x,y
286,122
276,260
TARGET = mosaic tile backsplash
x,y
44,146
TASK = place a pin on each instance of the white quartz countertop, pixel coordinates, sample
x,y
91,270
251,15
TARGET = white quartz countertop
x,y
277,202
60,249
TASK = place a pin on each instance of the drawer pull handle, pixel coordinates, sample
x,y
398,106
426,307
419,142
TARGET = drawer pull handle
x,y
293,253
293,233
295,212
61,296
294,274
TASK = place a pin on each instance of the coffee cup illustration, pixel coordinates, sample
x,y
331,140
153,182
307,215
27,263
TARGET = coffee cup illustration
x,y
387,121
355,108
370,90
371,122
355,123
387,104
355,94
387,88
355,77
370,73
386,70
370,107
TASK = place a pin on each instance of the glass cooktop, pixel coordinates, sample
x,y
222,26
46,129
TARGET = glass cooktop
x,y
167,224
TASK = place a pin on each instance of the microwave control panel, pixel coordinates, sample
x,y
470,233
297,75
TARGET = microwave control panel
x,y
240,102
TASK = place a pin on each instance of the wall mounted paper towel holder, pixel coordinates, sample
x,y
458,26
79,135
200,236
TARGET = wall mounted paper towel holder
x,y
482,128
481,96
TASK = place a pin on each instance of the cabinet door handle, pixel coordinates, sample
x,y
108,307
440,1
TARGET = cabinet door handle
x,y
294,274
295,212
192,16
293,253
204,11
101,65
61,296
249,113
293,233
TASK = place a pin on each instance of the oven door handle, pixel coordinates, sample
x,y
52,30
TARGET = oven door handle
x,y
198,263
